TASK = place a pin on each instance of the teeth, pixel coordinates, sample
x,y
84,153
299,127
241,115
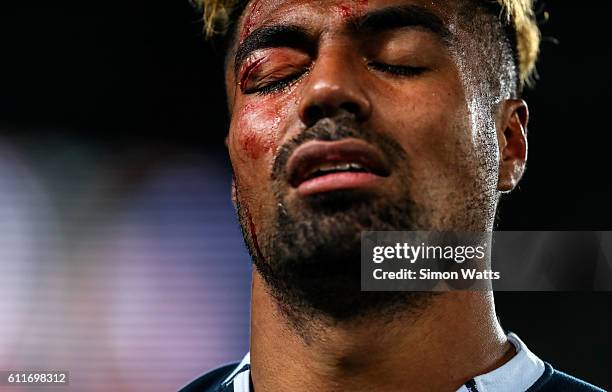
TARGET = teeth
x,y
327,167
344,166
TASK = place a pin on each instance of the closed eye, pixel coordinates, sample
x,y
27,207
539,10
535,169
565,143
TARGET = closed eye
x,y
276,85
400,70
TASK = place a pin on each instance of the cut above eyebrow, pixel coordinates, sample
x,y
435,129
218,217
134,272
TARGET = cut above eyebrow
x,y
276,36
396,17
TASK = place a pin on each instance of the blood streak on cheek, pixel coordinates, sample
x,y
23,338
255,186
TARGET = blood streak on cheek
x,y
253,232
258,129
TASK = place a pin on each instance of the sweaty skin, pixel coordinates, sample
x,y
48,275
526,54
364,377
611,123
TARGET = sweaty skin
x,y
351,9
254,17
456,165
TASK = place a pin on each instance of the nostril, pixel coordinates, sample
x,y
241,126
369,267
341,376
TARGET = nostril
x,y
314,113
351,107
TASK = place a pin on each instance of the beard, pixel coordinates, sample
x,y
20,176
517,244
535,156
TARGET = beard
x,y
310,257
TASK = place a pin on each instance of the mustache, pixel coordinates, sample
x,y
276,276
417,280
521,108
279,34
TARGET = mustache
x,y
341,126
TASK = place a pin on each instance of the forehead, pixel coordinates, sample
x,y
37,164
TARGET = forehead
x,y
325,14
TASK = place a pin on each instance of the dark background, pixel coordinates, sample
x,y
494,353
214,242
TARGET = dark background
x,y
134,81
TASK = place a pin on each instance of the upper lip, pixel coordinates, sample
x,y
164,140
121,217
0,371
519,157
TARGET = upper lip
x,y
307,159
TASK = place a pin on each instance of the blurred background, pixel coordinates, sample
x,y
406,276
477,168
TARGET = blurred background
x,y
120,256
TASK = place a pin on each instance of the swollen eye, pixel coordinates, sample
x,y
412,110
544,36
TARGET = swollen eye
x,y
248,72
270,66
273,80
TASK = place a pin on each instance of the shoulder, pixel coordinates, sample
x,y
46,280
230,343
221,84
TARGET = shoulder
x,y
555,381
210,381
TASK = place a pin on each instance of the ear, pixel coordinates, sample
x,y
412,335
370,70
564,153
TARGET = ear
x,y
512,117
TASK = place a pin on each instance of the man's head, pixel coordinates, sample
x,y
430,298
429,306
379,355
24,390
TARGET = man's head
x,y
353,115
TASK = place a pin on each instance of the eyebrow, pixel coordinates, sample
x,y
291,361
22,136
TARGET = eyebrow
x,y
396,17
289,36
375,22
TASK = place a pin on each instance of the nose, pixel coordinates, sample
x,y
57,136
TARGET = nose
x,y
333,86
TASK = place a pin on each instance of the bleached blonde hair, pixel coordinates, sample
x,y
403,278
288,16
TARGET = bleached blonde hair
x,y
517,13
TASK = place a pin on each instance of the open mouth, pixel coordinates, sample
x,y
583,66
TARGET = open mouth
x,y
332,168
323,166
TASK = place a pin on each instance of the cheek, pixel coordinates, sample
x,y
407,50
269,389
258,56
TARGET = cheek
x,y
255,129
433,126
435,121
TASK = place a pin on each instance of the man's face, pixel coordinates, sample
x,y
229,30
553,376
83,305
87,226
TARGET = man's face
x,y
353,115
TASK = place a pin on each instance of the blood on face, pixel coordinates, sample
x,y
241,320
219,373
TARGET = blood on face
x,y
351,9
257,129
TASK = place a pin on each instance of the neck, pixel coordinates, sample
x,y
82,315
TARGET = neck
x,y
455,338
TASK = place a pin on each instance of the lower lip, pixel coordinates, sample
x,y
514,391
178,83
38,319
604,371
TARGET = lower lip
x,y
336,182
